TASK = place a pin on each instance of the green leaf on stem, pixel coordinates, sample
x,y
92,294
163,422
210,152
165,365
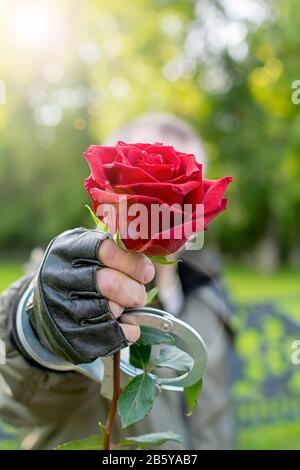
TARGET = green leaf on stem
x,y
191,395
117,238
136,400
152,439
163,260
101,226
102,429
174,358
139,355
150,336
151,294
94,442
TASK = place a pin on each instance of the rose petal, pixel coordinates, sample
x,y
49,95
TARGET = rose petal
x,y
160,172
119,173
167,192
211,215
102,153
154,247
96,156
189,166
101,196
140,146
214,192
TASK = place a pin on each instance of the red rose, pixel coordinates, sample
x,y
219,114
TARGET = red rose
x,y
153,175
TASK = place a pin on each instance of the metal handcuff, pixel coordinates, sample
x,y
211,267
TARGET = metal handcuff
x,y
101,369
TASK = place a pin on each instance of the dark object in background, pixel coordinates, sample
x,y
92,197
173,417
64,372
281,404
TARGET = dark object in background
x,y
264,379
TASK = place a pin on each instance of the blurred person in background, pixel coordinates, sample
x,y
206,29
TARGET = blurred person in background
x,y
56,407
193,291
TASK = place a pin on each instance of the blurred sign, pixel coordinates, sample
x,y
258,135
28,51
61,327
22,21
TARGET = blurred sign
x,y
265,382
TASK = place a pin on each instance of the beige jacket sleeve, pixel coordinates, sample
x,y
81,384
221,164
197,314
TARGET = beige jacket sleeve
x,y
29,395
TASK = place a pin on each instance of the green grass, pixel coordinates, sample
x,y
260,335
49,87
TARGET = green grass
x,y
9,272
252,285
12,440
277,436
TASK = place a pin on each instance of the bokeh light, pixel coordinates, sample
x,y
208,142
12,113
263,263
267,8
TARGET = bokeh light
x,y
35,25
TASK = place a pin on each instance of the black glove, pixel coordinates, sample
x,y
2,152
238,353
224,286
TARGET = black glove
x,y
68,313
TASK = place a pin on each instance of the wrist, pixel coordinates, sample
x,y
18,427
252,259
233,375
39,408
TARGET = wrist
x,y
29,343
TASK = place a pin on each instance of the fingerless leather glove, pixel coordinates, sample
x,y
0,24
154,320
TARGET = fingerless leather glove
x,y
68,313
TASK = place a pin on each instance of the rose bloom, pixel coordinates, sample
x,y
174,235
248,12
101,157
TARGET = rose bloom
x,y
152,175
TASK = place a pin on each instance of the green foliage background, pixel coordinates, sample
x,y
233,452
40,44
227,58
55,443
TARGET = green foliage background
x,y
227,72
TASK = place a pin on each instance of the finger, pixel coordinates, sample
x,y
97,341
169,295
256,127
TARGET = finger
x,y
129,319
115,308
135,265
132,333
120,288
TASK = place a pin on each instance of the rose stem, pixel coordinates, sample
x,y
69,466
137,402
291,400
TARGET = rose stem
x,y
113,406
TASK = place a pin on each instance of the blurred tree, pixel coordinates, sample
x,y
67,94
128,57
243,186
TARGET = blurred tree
x,y
227,67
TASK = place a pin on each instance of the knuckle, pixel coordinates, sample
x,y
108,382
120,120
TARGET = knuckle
x,y
115,258
106,283
107,251
104,247
124,261
135,271
140,296
140,264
